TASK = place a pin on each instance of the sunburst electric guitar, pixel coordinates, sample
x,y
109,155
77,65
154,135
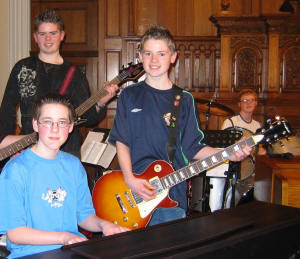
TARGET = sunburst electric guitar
x,y
115,202
131,73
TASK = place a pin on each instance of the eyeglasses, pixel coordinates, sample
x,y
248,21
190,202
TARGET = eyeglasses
x,y
49,124
248,100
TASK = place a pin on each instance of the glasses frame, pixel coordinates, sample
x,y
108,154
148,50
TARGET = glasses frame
x,y
50,126
250,100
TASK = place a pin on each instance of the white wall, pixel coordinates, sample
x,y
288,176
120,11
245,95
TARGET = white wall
x,y
15,36
4,51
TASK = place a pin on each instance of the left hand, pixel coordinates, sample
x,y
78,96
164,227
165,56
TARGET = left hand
x,y
109,228
111,91
241,154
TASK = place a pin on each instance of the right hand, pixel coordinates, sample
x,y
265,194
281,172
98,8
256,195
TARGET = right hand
x,y
142,187
69,238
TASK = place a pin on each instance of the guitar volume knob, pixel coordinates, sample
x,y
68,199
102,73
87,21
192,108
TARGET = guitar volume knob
x,y
135,225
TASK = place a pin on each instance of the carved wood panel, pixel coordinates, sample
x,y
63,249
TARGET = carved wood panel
x,y
289,64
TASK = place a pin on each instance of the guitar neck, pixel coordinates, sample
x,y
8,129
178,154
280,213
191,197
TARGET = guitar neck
x,y
18,145
95,97
197,167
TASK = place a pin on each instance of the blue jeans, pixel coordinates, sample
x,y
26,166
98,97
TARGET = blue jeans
x,y
162,215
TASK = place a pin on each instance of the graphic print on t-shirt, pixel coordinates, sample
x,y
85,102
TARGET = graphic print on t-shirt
x,y
55,197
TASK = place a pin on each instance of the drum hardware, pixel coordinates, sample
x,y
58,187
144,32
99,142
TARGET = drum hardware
x,y
235,185
200,190
211,107
286,145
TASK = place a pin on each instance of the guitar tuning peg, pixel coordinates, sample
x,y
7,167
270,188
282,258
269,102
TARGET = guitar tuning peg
x,y
277,117
269,121
268,140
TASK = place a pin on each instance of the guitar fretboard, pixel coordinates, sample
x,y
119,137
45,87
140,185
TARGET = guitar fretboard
x,y
95,97
101,93
18,145
195,168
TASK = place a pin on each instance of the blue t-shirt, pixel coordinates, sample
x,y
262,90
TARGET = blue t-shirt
x,y
45,194
143,113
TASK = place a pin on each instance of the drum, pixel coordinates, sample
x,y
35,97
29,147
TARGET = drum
x,y
217,179
289,145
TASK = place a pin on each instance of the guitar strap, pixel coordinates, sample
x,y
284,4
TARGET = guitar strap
x,y
175,112
67,80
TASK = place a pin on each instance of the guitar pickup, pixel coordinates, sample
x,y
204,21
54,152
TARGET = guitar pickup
x,y
129,200
121,204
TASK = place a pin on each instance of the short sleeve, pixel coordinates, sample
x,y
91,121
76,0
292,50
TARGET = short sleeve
x,y
12,200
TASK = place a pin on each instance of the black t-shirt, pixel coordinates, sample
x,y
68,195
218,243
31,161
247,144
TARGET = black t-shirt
x,y
31,78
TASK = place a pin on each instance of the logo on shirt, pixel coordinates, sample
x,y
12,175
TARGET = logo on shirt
x,y
136,110
26,81
169,119
55,197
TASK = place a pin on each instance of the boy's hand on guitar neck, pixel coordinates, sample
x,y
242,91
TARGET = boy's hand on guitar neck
x,y
241,154
141,187
112,90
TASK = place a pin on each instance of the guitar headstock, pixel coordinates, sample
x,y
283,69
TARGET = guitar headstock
x,y
132,72
273,131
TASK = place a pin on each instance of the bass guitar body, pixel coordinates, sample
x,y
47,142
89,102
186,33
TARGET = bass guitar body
x,y
115,202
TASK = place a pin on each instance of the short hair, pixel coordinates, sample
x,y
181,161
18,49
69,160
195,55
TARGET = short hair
x,y
52,99
246,91
158,32
49,16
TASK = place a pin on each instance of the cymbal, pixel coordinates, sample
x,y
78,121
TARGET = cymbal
x,y
213,107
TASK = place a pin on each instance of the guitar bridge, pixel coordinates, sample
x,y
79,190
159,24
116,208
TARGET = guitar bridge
x,y
121,204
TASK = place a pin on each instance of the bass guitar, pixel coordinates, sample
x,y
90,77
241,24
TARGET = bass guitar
x,y
131,73
115,202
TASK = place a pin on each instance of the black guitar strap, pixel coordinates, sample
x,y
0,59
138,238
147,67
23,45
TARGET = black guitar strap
x,y
175,113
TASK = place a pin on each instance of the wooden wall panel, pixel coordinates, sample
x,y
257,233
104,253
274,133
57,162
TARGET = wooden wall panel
x,y
113,18
185,19
167,15
202,10
145,14
268,7
81,22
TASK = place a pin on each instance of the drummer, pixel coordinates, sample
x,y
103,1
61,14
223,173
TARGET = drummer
x,y
247,104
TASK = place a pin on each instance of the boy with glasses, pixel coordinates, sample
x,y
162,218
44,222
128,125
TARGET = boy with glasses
x,y
247,104
44,195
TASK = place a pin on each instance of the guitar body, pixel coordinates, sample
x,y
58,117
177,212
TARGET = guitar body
x,y
114,201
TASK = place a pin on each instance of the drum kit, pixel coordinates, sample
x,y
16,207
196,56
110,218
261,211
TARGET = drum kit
x,y
230,184
227,184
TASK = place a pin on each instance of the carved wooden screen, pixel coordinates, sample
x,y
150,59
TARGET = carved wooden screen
x,y
198,63
290,65
247,64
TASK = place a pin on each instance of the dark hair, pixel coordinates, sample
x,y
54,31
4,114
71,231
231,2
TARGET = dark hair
x,y
52,99
246,91
49,16
158,32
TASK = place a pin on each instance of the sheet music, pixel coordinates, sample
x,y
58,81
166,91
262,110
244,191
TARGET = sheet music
x,y
94,151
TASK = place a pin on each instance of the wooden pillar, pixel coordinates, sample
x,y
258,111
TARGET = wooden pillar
x,y
273,72
225,70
